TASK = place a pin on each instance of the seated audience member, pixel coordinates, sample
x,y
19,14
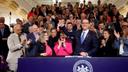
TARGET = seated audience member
x,y
18,21
63,47
106,44
93,28
45,49
28,24
121,42
17,42
101,28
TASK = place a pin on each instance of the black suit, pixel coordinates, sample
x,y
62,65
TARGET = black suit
x,y
33,46
3,41
89,45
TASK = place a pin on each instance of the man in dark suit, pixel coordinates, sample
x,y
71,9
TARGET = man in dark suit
x,y
4,33
33,37
86,40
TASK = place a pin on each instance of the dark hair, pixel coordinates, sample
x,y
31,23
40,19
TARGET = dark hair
x,y
111,33
33,9
53,29
69,23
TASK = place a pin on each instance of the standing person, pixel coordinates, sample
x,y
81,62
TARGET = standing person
x,y
44,48
33,37
28,24
53,38
63,47
4,33
86,40
106,44
70,34
16,42
121,42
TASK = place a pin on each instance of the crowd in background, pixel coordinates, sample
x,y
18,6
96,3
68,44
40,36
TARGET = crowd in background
x,y
55,30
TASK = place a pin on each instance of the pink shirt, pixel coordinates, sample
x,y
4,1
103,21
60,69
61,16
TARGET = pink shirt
x,y
48,50
63,51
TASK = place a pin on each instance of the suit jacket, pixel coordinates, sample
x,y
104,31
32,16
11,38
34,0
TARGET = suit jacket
x,y
89,45
15,48
6,32
32,37
33,49
3,41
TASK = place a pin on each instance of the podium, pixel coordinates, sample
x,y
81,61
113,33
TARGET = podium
x,y
73,64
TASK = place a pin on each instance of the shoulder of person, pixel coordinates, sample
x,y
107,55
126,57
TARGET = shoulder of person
x,y
6,26
13,35
68,40
26,24
78,31
92,32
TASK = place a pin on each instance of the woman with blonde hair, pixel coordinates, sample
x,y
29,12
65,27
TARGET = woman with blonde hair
x,y
46,50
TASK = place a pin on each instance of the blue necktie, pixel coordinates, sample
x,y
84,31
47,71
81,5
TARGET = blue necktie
x,y
82,37
2,32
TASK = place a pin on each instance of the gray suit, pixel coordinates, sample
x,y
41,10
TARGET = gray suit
x,y
16,50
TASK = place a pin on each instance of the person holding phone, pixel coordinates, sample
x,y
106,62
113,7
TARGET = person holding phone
x,y
63,47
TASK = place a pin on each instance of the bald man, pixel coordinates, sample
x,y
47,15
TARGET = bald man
x,y
16,42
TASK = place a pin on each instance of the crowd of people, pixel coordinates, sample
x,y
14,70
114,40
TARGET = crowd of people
x,y
56,30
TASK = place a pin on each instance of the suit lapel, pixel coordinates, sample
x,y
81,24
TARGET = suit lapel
x,y
33,36
87,37
79,36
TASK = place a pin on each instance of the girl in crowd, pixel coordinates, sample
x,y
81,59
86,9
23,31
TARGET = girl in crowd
x,y
63,47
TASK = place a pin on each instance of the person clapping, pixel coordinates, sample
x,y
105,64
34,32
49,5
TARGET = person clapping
x,y
45,49
63,47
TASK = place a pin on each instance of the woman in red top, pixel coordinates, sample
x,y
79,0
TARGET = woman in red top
x,y
63,47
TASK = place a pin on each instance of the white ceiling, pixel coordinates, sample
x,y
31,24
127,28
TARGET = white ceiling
x,y
28,4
